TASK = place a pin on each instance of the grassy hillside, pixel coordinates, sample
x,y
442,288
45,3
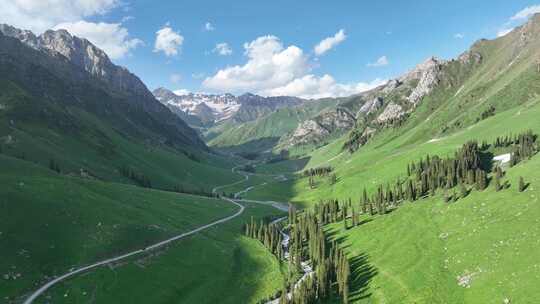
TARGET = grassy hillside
x,y
76,139
50,223
420,253
506,82
480,249
215,266
265,132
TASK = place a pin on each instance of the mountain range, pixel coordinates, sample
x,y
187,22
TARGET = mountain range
x,y
423,189
212,109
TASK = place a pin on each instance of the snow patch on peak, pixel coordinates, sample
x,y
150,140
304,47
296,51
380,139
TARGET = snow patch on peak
x,y
222,106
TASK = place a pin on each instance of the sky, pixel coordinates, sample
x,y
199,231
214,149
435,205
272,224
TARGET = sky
x,y
301,48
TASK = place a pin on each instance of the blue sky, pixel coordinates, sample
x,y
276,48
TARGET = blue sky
x,y
281,58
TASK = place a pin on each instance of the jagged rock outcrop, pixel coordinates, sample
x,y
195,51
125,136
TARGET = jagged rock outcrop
x,y
391,85
470,57
307,132
315,130
428,76
371,106
391,111
82,53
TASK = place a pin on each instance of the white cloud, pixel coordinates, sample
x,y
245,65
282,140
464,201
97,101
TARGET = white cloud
x,y
110,37
222,49
313,87
209,27
269,65
459,36
271,69
526,12
41,15
504,31
382,61
168,41
328,43
518,19
181,92
175,78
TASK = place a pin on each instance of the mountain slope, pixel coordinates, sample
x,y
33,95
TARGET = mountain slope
x,y
54,110
481,248
85,71
265,132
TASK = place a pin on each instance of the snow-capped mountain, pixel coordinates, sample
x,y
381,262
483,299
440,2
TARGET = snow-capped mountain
x,y
207,107
219,107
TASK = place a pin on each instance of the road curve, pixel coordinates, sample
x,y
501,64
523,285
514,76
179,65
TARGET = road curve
x,y
49,284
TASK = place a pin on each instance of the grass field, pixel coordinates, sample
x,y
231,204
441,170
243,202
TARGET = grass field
x,y
50,223
419,253
215,266
386,158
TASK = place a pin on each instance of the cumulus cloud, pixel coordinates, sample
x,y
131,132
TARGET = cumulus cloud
x,y
175,78
168,41
328,43
41,15
110,37
517,19
272,69
504,31
222,49
459,36
209,27
269,65
382,61
313,87
526,12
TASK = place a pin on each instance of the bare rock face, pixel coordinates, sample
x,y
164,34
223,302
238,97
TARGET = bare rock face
x,y
315,130
428,76
470,57
306,132
23,35
371,106
338,119
368,131
391,85
82,53
391,111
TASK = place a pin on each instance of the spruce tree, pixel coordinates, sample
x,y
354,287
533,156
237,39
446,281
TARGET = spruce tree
x,y
521,185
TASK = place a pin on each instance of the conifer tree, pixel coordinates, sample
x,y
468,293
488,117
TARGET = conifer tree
x,y
521,185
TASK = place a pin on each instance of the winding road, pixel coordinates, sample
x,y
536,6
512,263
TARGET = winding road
x,y
63,277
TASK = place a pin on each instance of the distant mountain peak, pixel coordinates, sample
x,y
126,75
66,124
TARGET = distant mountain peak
x,y
222,106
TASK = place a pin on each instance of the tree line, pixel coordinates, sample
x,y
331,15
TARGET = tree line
x,y
308,242
139,178
318,171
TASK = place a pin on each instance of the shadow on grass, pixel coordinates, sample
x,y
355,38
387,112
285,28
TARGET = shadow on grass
x,y
362,273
